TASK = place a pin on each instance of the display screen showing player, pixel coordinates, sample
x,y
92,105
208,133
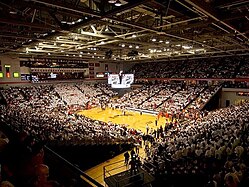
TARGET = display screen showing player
x,y
120,80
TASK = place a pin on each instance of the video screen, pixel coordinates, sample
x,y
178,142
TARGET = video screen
x,y
16,75
120,80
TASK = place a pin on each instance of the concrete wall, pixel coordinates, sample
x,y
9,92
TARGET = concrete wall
x,y
96,67
230,96
24,70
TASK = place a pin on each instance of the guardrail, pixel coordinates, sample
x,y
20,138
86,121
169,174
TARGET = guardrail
x,y
118,169
61,160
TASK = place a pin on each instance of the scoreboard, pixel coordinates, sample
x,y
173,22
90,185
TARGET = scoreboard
x,y
120,80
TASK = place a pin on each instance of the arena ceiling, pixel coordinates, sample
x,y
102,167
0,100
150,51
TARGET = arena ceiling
x,y
137,30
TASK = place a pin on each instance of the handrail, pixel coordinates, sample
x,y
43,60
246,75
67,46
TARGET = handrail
x,y
133,176
64,160
76,168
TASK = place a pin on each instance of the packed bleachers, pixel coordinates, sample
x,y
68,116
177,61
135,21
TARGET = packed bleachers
x,y
199,102
166,92
214,148
210,146
229,67
45,116
70,94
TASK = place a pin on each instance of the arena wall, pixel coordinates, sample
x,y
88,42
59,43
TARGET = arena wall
x,y
230,96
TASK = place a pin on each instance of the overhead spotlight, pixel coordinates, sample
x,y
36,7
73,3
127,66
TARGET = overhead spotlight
x,y
118,3
153,40
13,12
134,36
112,1
137,47
123,45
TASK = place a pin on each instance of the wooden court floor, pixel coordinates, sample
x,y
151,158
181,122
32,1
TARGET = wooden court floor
x,y
131,118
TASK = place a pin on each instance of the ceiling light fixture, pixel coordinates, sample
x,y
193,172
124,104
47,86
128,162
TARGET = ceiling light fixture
x,y
153,40
134,36
112,1
123,45
13,12
118,3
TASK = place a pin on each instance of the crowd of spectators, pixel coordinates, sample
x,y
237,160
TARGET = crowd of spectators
x,y
44,111
199,102
229,67
174,98
214,147
45,115
70,94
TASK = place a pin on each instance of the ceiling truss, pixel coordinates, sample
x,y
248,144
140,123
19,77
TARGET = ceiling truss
x,y
137,31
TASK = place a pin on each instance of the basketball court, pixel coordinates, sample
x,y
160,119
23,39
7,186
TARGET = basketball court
x,y
131,119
